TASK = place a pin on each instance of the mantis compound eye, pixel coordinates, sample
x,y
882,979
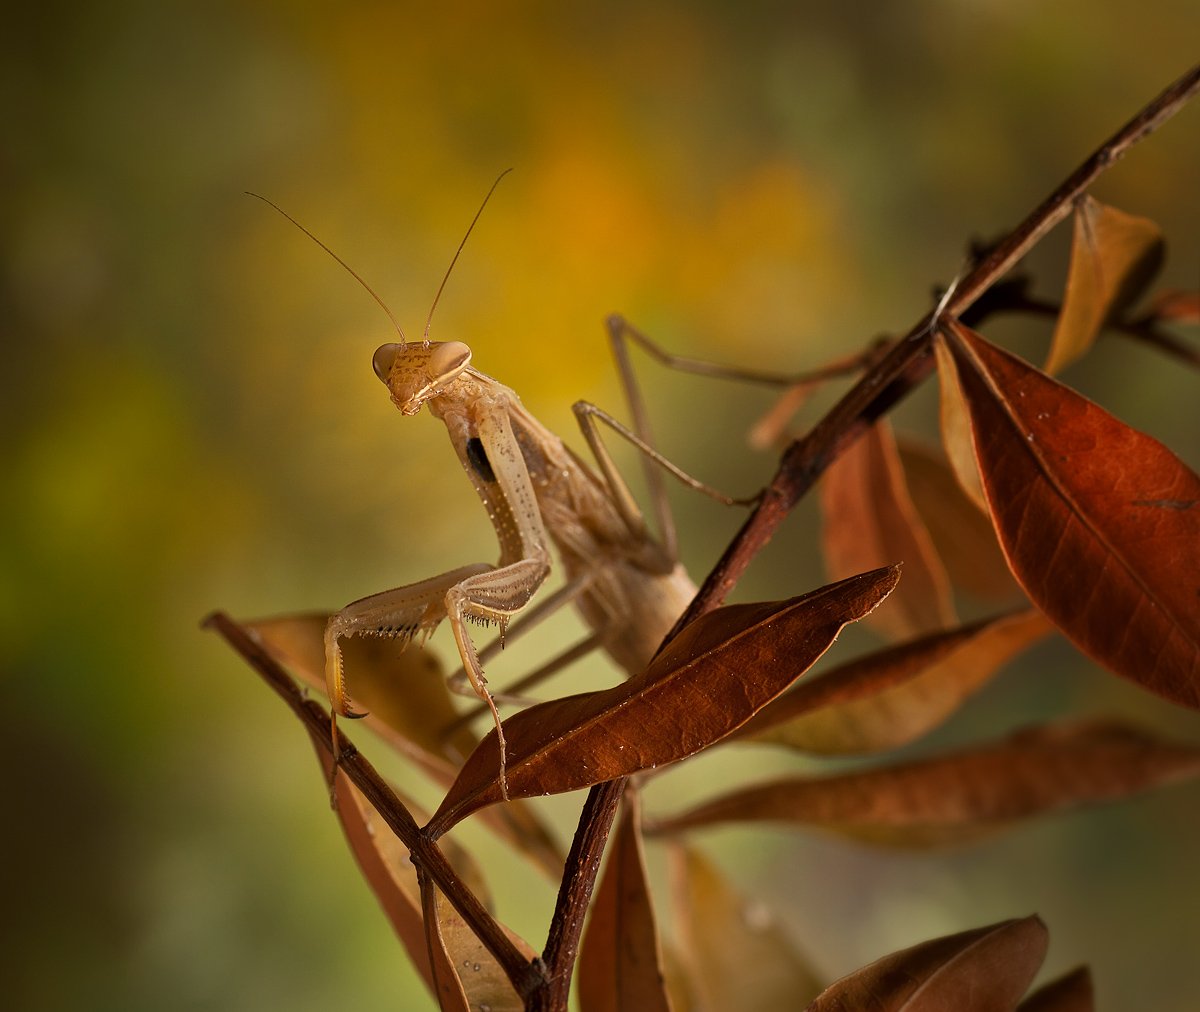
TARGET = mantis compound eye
x,y
448,359
385,357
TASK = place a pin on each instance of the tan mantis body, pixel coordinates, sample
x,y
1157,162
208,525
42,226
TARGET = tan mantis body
x,y
627,585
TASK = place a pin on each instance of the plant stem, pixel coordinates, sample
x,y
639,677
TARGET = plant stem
x,y
575,893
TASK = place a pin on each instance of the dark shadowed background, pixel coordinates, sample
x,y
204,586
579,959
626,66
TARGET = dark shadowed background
x,y
191,421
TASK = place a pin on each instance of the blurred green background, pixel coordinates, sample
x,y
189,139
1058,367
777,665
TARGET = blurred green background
x,y
191,420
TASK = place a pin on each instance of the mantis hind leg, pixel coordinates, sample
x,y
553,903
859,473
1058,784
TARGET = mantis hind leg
x,y
587,414
621,334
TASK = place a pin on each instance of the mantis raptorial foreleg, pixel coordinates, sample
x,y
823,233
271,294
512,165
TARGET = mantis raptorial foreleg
x,y
566,594
403,614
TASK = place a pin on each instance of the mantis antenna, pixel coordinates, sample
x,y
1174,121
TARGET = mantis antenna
x,y
353,273
454,259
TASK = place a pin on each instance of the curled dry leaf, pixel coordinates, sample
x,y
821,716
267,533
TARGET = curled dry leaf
x,y
894,696
733,952
869,520
961,531
1071,992
387,867
983,970
620,959
712,678
1114,257
408,705
466,976
963,796
1099,523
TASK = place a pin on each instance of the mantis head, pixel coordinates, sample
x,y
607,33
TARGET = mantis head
x,y
416,372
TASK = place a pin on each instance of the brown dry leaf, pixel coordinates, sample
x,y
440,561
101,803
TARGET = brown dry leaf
x,y
711,679
955,421
869,521
1071,992
387,867
966,795
467,976
961,532
620,959
1100,523
408,703
1114,256
894,696
734,953
983,970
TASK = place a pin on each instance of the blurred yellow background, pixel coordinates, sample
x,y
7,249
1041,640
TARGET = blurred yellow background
x,y
191,419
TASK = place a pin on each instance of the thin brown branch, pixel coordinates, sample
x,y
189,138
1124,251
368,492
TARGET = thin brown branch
x,y
575,893
910,360
525,976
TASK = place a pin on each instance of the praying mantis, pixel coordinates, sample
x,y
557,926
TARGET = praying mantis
x,y
625,582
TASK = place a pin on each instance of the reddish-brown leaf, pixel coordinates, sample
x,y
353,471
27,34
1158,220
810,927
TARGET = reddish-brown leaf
x,y
894,696
620,959
711,679
467,977
408,706
966,795
732,950
961,531
1114,256
869,520
1100,523
1070,993
983,970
